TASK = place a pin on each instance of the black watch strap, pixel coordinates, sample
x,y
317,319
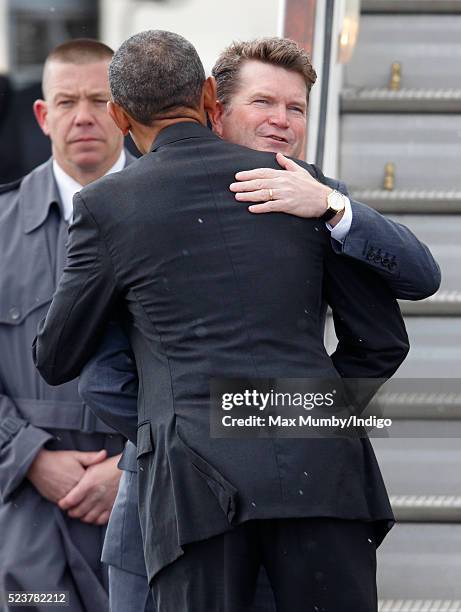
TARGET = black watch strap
x,y
328,214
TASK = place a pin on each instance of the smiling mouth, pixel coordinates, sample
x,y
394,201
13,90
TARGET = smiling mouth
x,y
278,139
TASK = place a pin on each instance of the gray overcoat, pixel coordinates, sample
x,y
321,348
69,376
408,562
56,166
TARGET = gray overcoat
x,y
41,547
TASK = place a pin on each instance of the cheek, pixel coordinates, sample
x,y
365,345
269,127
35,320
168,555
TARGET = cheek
x,y
110,129
241,127
299,127
103,118
299,131
58,130
251,123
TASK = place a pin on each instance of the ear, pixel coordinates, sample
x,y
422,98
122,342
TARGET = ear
x,y
216,118
209,95
41,113
119,116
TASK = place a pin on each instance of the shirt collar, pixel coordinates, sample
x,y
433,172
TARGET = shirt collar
x,y
68,186
181,131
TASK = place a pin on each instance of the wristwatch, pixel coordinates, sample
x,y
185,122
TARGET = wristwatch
x,y
336,203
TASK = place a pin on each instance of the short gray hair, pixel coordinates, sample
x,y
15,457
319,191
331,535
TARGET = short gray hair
x,y
155,72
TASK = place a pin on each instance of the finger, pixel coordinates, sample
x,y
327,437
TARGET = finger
x,y
254,185
257,173
92,515
266,207
87,505
90,458
74,497
263,195
288,164
103,518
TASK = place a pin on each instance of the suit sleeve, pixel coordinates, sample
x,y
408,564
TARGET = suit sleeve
x,y
387,248
74,324
19,444
372,339
109,382
390,250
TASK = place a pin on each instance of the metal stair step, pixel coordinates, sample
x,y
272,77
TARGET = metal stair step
x,y
411,200
427,508
379,100
419,605
424,150
415,403
411,6
421,474
421,562
446,303
434,347
426,46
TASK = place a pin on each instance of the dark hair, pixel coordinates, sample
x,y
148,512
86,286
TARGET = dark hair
x,y
156,72
282,52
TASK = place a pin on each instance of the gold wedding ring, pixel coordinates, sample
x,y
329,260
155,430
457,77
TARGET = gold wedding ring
x,y
271,195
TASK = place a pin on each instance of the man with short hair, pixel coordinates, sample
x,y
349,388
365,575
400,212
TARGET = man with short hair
x,y
113,369
58,463
207,294
263,88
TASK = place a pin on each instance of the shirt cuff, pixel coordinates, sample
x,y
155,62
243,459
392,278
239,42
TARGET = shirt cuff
x,y
341,229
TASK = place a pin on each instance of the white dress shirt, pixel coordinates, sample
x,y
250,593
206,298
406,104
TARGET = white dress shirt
x,y
67,186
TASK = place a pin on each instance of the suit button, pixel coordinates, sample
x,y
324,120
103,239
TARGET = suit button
x,y
370,255
392,265
14,313
385,262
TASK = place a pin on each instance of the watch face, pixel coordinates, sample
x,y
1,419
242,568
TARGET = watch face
x,y
336,201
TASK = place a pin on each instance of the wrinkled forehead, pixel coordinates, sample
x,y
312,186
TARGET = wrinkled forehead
x,y
91,77
258,75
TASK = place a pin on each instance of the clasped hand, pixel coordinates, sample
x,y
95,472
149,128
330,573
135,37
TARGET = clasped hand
x,y
82,483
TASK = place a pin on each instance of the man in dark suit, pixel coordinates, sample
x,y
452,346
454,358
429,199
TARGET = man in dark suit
x,y
207,294
251,104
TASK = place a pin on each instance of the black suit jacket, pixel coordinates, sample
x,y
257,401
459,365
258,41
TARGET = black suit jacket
x,y
212,290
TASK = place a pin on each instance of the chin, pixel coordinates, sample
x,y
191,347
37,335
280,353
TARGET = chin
x,y
268,145
276,147
88,160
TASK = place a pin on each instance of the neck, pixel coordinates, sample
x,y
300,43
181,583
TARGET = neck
x,y
144,136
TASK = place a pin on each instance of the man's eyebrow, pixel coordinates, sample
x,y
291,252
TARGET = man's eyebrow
x,y
92,94
64,94
265,94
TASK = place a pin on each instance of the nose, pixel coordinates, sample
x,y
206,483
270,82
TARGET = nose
x,y
279,116
83,115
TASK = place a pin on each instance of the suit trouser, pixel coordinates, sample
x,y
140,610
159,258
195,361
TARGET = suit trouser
x,y
128,592
312,563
